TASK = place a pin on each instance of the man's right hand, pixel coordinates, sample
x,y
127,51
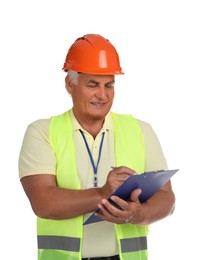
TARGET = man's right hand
x,y
114,179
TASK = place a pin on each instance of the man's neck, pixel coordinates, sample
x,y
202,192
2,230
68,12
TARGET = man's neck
x,y
92,126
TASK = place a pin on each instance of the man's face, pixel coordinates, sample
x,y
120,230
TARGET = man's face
x,y
92,96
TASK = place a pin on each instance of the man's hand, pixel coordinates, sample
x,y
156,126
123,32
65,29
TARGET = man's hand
x,y
160,205
114,179
119,211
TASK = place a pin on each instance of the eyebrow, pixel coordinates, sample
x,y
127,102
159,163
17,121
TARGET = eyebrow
x,y
92,81
97,82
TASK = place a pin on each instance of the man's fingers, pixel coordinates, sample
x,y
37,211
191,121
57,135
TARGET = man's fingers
x,y
135,195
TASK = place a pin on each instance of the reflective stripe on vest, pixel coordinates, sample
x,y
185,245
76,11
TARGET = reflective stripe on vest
x,y
73,244
133,244
62,239
59,243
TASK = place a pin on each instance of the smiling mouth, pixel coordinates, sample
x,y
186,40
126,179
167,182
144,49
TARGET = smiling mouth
x,y
98,104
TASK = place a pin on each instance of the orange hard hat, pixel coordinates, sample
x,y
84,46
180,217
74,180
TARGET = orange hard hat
x,y
93,54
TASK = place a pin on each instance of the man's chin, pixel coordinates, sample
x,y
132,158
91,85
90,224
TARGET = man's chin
x,y
99,115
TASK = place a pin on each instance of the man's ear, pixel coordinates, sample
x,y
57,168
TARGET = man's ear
x,y
68,85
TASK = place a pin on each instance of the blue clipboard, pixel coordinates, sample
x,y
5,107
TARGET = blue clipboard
x,y
148,182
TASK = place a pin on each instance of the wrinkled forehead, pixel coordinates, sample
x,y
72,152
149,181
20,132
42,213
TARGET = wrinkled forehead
x,y
96,77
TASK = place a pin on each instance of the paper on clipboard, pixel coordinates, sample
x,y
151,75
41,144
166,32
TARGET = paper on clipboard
x,y
148,182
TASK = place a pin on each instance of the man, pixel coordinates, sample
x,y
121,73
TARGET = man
x,y
70,164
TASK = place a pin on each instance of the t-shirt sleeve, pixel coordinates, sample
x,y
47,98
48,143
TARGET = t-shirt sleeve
x,y
155,159
36,154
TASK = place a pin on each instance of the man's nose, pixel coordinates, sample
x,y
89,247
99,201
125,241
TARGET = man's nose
x,y
101,92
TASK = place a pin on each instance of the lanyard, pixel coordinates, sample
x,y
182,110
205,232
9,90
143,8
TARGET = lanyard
x,y
95,167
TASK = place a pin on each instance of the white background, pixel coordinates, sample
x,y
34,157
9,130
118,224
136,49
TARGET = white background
x,y
162,48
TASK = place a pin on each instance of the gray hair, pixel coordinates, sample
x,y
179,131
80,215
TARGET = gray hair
x,y
73,76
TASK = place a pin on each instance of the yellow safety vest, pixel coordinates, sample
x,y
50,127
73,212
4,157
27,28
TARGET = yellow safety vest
x,y
62,239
